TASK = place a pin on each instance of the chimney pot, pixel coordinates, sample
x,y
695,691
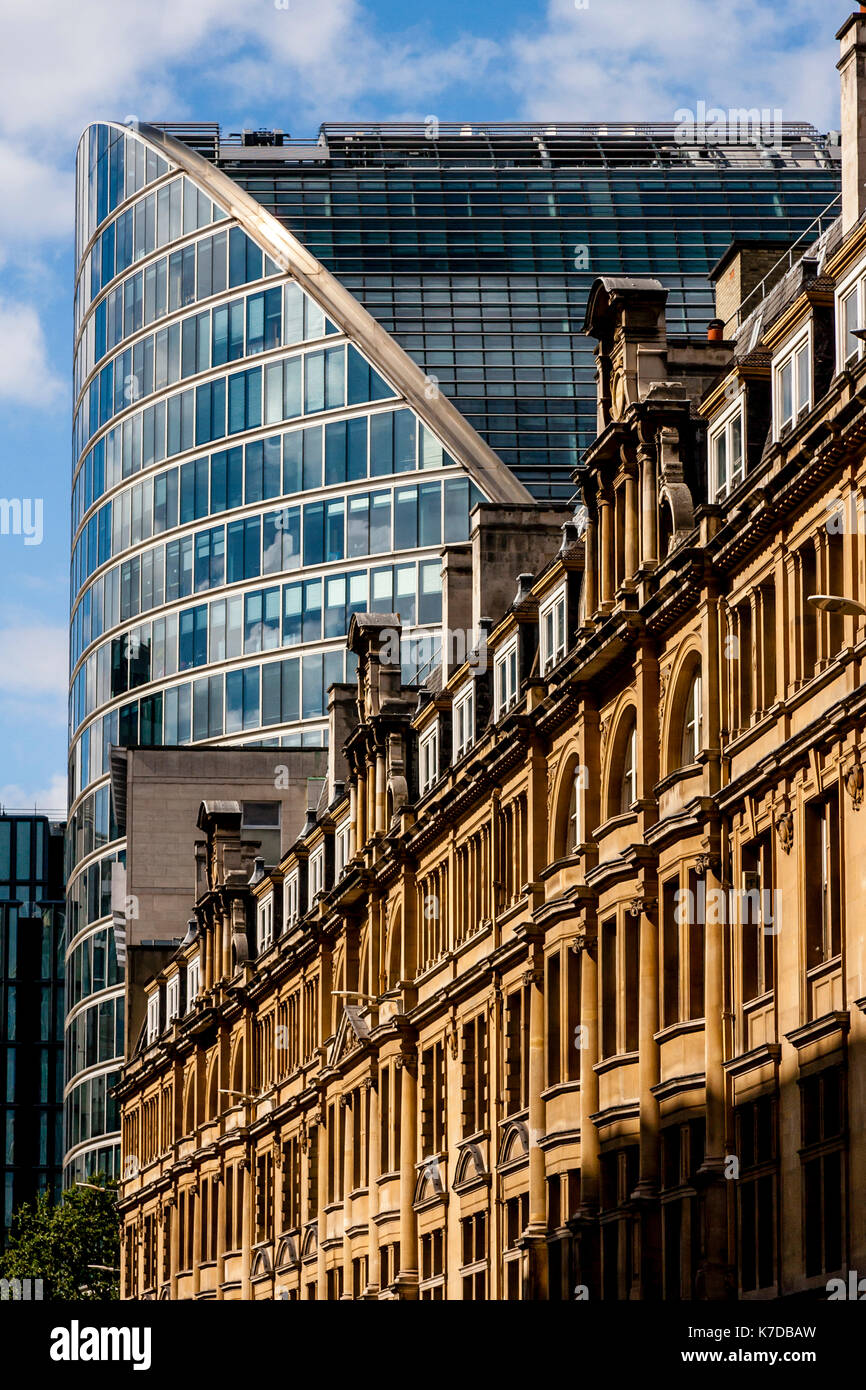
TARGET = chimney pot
x,y
716,331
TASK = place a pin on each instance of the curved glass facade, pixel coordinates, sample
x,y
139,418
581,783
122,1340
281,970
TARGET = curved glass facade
x,y
244,480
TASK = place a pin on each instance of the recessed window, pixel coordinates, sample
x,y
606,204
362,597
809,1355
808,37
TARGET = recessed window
x,y
505,678
172,999
428,756
266,923
291,900
153,1018
727,466
464,721
692,722
317,873
343,845
193,981
552,631
850,317
574,834
792,380
628,789
261,821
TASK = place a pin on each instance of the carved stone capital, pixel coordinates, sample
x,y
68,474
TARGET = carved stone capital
x,y
785,830
642,904
708,862
853,779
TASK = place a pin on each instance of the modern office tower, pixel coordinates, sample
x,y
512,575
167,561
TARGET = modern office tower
x,y
296,367
476,245
31,1004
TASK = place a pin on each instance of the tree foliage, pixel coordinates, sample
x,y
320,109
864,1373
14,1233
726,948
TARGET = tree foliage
x,y
60,1243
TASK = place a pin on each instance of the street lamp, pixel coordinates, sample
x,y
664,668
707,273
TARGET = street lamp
x,y
835,603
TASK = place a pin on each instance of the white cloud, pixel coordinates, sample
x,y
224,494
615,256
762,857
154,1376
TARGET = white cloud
x,y
26,374
33,661
49,797
621,61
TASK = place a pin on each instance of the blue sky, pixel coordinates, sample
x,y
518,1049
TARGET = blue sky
x,y
267,63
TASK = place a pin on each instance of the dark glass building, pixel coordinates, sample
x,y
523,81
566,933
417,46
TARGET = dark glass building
x,y
32,1004
476,245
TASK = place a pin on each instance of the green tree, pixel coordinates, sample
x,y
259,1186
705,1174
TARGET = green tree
x,y
60,1243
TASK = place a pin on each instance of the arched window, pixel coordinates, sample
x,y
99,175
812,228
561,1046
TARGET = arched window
x,y
692,739
622,774
628,792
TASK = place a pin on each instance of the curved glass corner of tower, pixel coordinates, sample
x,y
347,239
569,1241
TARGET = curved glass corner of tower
x,y
244,480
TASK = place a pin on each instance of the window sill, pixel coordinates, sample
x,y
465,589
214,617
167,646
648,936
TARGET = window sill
x,y
619,1059
679,1029
680,774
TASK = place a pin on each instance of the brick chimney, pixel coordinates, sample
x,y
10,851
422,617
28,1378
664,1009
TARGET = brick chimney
x,y
852,69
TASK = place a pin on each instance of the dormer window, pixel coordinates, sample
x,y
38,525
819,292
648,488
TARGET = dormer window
x,y
343,844
850,319
464,720
193,981
317,873
153,1018
291,903
505,682
266,923
551,620
727,465
428,758
792,386
172,999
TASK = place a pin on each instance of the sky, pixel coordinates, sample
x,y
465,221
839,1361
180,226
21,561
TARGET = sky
x,y
292,64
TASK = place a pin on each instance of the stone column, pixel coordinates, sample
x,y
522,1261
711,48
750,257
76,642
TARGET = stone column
x,y
361,813
324,1164
348,1103
226,966
649,505
590,561
586,1223
174,1243
246,1167
535,1235
380,791
373,1168
220,1251
605,551
645,1194
407,1066
196,1239
631,527
712,1282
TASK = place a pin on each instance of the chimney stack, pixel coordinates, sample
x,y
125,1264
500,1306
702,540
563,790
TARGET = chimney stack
x,y
852,69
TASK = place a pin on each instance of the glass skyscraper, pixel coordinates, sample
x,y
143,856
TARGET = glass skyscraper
x,y
32,1005
476,245
297,365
